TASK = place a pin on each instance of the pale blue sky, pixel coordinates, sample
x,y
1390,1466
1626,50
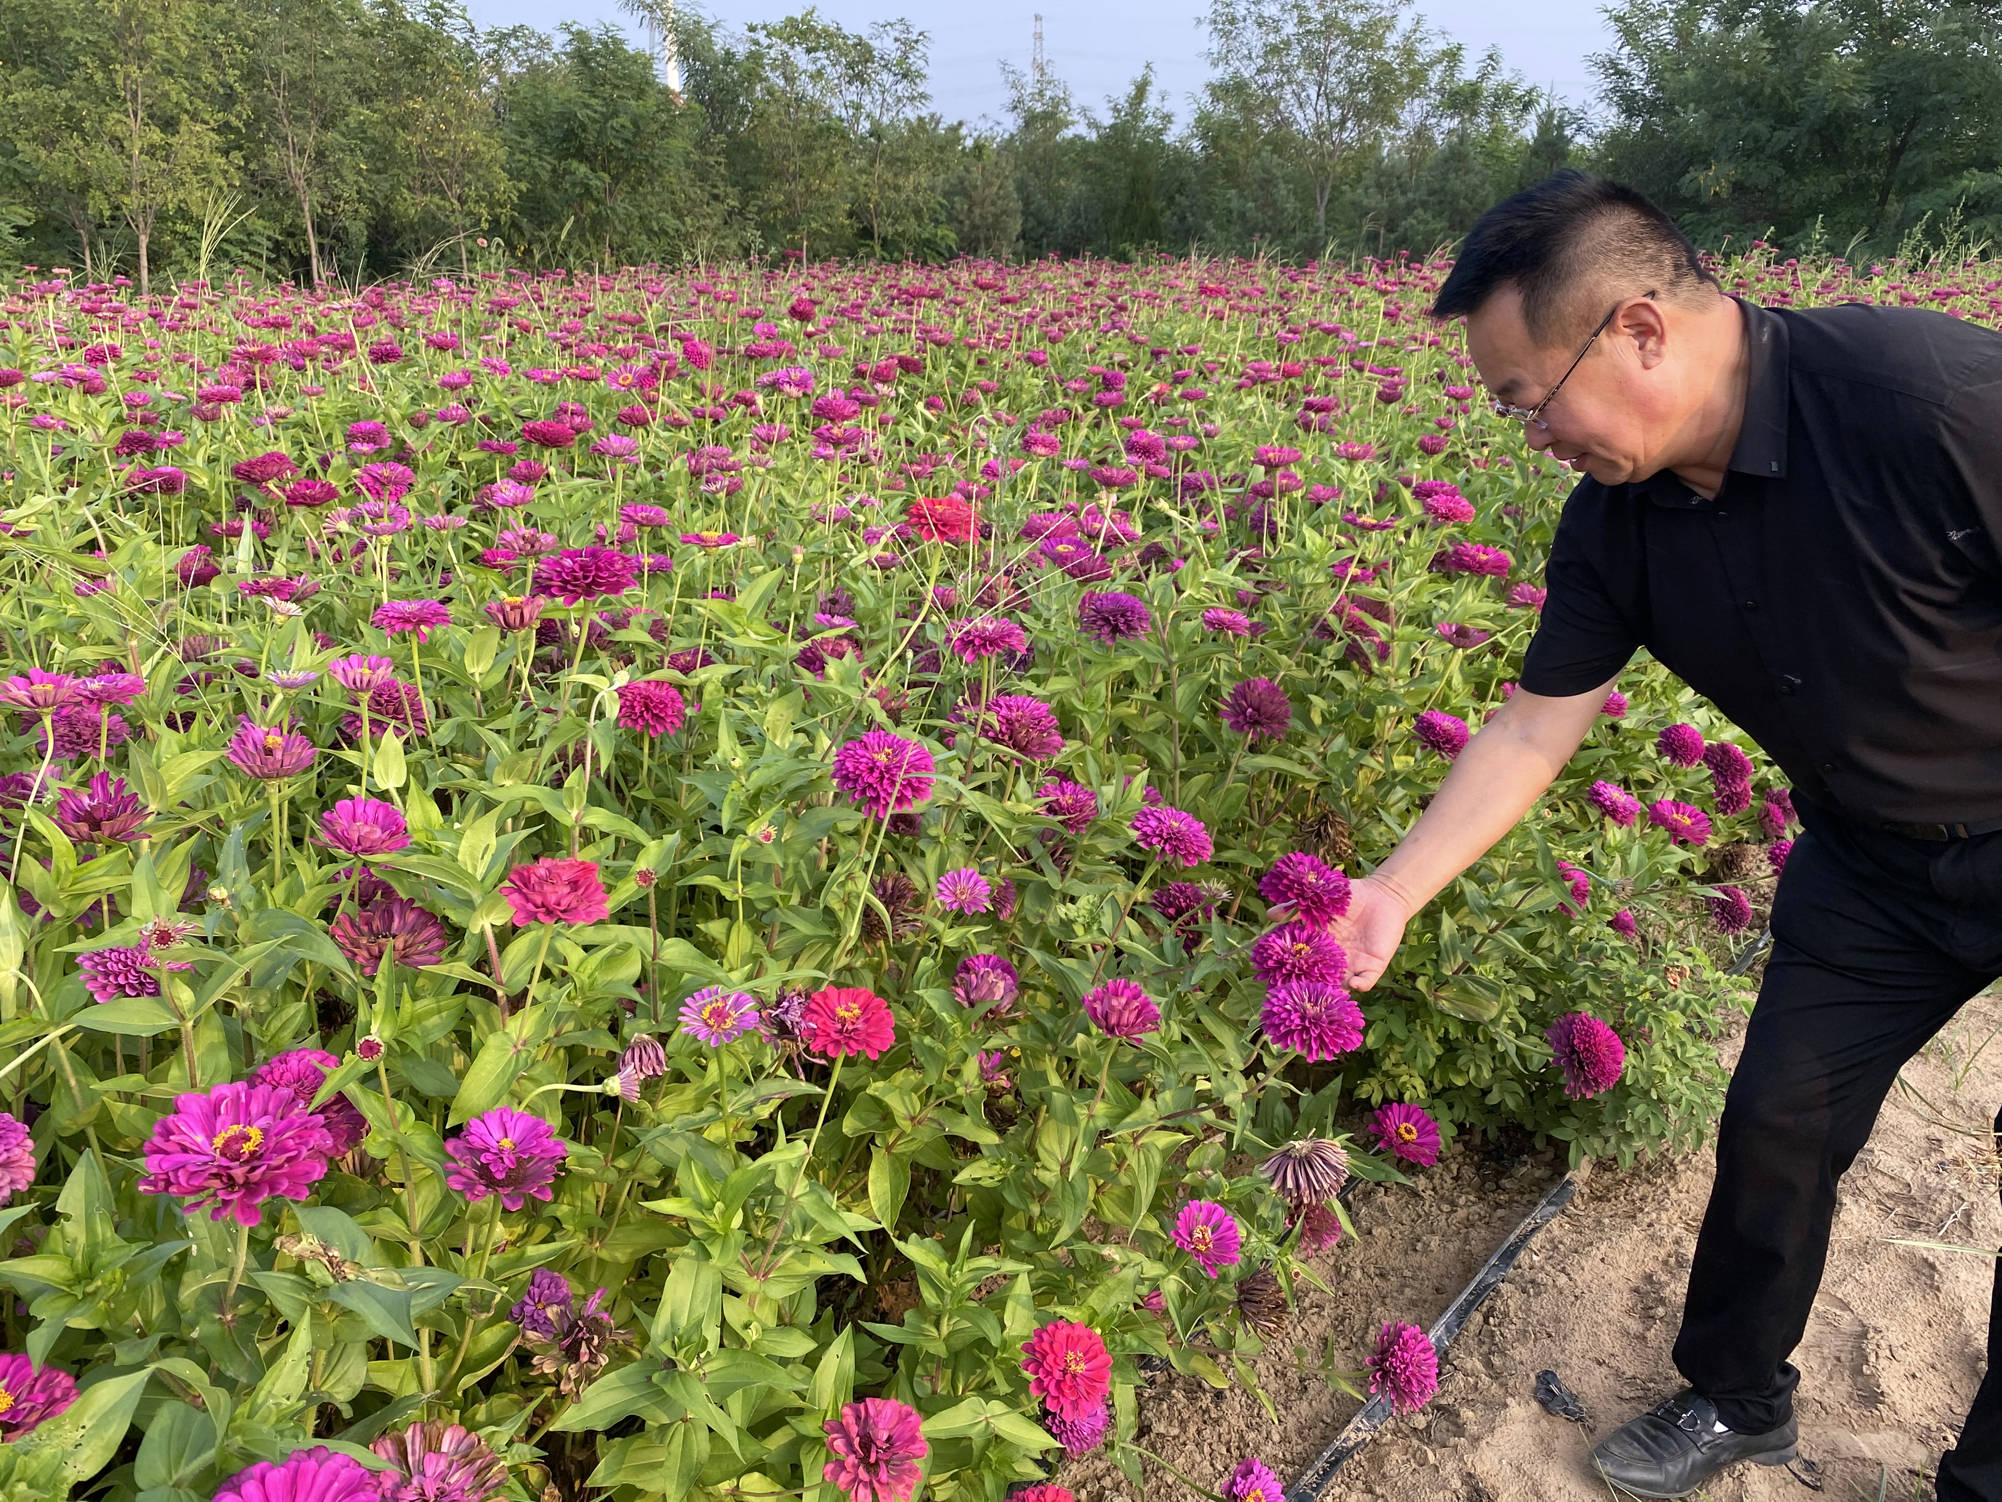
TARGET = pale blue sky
x,y
1098,45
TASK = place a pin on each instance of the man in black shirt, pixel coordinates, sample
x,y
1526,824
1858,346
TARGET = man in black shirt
x,y
1799,512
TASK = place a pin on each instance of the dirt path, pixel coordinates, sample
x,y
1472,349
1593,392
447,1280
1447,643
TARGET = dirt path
x,y
1891,1359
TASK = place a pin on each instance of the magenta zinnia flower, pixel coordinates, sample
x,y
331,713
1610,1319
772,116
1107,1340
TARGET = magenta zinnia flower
x,y
104,812
1122,1010
29,1397
555,890
1681,744
1206,1231
420,616
1731,910
269,752
1407,1132
1315,891
716,1016
884,773
981,979
1253,1481
505,1152
124,970
875,1445
1615,802
1447,734
315,1475
1022,724
1589,1052
1299,952
652,706
439,1462
1070,804
364,826
1177,838
302,1071
231,1148
359,672
1069,1368
17,1157
389,925
1405,1365
988,636
39,691
1258,707
1113,617
1686,824
585,573
965,891
1317,1019
848,1019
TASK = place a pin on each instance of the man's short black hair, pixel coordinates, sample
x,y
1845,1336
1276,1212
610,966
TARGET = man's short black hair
x,y
1570,243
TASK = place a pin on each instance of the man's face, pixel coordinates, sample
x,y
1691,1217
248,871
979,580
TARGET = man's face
x,y
1598,423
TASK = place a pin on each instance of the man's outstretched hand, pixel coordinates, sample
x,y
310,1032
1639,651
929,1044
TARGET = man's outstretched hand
x,y
1370,930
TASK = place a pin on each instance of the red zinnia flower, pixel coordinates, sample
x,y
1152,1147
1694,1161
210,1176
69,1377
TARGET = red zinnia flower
x,y
553,890
1069,1368
848,1019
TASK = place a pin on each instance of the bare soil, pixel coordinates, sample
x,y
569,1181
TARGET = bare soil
x,y
1893,1353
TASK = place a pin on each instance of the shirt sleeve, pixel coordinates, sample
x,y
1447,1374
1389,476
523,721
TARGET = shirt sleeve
x,y
1972,433
1585,636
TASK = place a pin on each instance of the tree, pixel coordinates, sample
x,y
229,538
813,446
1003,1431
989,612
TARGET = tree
x,y
1332,79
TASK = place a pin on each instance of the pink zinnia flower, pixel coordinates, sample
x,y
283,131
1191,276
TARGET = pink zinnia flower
x,y
302,1071
1686,824
555,890
986,980
269,752
359,672
965,891
1405,1365
1681,744
29,1397
1317,1019
1310,887
235,1146
1069,1368
315,1475
1615,802
884,773
652,706
1407,1132
123,970
17,1157
439,1462
585,573
39,691
875,1445
420,616
364,826
1589,1052
842,1020
1299,952
505,1152
1438,731
988,636
1253,1481
1206,1231
1178,839
1122,1010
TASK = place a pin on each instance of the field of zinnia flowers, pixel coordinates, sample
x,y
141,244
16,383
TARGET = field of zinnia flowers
x,y
718,884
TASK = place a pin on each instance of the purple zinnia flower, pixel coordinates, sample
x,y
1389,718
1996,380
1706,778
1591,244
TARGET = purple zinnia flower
x,y
1206,1231
235,1146
269,752
1253,1481
39,691
1113,617
364,826
1316,1019
1078,1436
1447,734
874,1447
123,970
1777,853
965,891
1022,724
17,1157
1776,813
1307,1172
1258,707
717,1016
1299,951
1310,887
103,812
1070,804
1686,824
29,1397
980,979
585,573
1226,622
505,1152
360,672
1731,910
1407,1131
1405,1365
315,1475
439,1462
1122,1010
545,1306
389,925
1176,838
883,772
420,616
988,636
1681,744
1615,802
302,1071
1589,1052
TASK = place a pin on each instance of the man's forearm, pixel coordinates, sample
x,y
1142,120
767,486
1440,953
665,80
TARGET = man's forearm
x,y
1492,784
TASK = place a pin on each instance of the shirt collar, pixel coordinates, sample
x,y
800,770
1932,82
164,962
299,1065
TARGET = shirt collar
x,y
1762,437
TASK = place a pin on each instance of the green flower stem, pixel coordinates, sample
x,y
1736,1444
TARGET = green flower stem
x,y
236,1272
799,1179
868,876
1133,897
35,792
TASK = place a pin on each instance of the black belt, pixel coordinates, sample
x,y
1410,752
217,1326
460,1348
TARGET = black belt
x,y
1942,831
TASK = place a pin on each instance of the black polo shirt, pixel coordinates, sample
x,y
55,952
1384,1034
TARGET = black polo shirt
x,y
1841,598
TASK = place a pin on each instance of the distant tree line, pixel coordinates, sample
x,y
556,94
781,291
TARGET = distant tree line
x,y
349,139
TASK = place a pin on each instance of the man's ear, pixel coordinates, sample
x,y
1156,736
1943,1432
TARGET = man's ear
x,y
1644,322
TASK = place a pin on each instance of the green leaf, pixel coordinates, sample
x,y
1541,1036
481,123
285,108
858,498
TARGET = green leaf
x,y
336,1229
389,769
889,1184
385,1310
486,1084
179,1442
129,1017
90,1431
618,1395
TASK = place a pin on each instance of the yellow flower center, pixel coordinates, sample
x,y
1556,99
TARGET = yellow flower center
x,y
506,1144
1200,1238
1406,1132
238,1144
1073,1363
717,1015
6,1400
848,1011
273,740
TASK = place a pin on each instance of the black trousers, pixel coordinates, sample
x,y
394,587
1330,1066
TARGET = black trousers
x,y
1878,939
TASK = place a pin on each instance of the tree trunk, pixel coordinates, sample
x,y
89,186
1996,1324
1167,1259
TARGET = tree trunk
x,y
1323,187
145,272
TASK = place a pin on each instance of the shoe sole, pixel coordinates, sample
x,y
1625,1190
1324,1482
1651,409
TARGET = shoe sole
x,y
1771,1457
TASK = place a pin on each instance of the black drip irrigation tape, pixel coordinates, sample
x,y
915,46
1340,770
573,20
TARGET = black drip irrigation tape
x,y
1314,1480
1356,1433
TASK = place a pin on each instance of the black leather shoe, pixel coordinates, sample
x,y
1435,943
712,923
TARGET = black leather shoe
x,y
1680,1443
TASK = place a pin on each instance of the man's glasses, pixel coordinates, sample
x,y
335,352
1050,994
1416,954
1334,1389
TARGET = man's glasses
x,y
1534,414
